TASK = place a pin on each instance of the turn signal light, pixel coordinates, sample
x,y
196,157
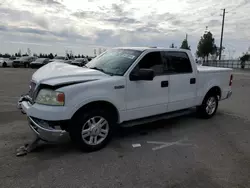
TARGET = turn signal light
x,y
60,97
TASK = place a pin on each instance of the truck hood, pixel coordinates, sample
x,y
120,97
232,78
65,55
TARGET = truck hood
x,y
56,73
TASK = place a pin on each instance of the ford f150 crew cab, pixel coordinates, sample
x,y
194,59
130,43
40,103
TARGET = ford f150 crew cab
x,y
122,86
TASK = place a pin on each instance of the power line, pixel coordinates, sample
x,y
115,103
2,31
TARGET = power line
x,y
222,31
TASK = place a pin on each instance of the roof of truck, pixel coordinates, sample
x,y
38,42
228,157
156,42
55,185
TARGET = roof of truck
x,y
150,48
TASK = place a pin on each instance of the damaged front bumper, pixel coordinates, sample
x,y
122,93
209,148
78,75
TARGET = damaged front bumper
x,y
50,131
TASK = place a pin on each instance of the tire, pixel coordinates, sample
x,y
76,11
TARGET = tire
x,y
209,106
81,123
4,64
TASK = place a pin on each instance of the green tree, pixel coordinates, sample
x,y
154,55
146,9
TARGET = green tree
x,y
206,45
245,57
185,45
172,46
51,56
19,54
6,55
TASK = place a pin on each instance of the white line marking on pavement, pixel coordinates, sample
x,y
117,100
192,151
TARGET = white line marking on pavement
x,y
167,144
136,145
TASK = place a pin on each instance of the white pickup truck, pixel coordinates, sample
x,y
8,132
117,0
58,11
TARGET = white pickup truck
x,y
122,86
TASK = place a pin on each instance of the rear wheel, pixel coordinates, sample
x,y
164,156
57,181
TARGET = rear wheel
x,y
91,129
4,64
209,106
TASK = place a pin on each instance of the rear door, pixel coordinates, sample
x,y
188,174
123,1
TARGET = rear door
x,y
182,80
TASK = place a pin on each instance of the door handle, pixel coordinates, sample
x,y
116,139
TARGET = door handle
x,y
192,80
164,83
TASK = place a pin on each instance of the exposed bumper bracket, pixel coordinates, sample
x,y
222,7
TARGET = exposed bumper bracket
x,y
19,103
27,148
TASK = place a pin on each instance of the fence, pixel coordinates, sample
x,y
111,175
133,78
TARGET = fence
x,y
226,63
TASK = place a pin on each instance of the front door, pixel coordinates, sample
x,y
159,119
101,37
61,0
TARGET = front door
x,y
182,81
148,98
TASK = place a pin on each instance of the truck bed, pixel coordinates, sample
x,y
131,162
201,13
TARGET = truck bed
x,y
212,69
213,76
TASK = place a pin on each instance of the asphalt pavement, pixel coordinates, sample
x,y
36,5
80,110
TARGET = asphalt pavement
x,y
178,153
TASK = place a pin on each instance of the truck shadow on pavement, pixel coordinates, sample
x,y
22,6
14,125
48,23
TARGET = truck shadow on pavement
x,y
50,150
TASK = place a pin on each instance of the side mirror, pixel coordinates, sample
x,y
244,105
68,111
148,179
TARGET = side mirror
x,y
142,74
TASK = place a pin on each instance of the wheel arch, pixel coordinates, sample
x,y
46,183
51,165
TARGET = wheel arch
x,y
103,104
214,90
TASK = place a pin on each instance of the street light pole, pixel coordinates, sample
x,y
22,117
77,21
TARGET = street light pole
x,y
222,31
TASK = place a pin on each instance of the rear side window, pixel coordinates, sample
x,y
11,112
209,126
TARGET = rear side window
x,y
177,62
152,60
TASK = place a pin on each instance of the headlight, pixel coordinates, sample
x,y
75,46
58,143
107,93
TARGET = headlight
x,y
50,97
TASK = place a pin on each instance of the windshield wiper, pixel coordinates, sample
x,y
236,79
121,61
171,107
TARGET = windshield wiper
x,y
99,69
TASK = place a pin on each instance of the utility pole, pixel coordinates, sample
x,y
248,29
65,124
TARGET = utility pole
x,y
222,31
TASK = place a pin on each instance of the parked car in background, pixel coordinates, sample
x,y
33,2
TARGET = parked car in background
x,y
39,62
90,58
59,59
3,62
9,62
23,61
80,62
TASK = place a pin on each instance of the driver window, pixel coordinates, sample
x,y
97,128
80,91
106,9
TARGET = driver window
x,y
152,61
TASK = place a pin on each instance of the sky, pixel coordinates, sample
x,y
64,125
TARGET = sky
x,y
84,25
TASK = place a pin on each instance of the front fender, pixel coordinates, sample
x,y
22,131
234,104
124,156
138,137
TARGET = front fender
x,y
79,95
95,99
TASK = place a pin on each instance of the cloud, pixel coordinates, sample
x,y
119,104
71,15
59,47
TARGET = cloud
x,y
122,22
49,2
28,43
18,16
118,10
86,14
64,34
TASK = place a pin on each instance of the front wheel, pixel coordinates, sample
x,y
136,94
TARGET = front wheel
x,y
91,130
209,106
4,64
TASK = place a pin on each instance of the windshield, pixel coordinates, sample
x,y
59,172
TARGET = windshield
x,y
115,61
59,57
23,58
79,60
40,60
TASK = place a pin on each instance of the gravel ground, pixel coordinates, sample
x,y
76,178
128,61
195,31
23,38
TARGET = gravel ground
x,y
198,153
